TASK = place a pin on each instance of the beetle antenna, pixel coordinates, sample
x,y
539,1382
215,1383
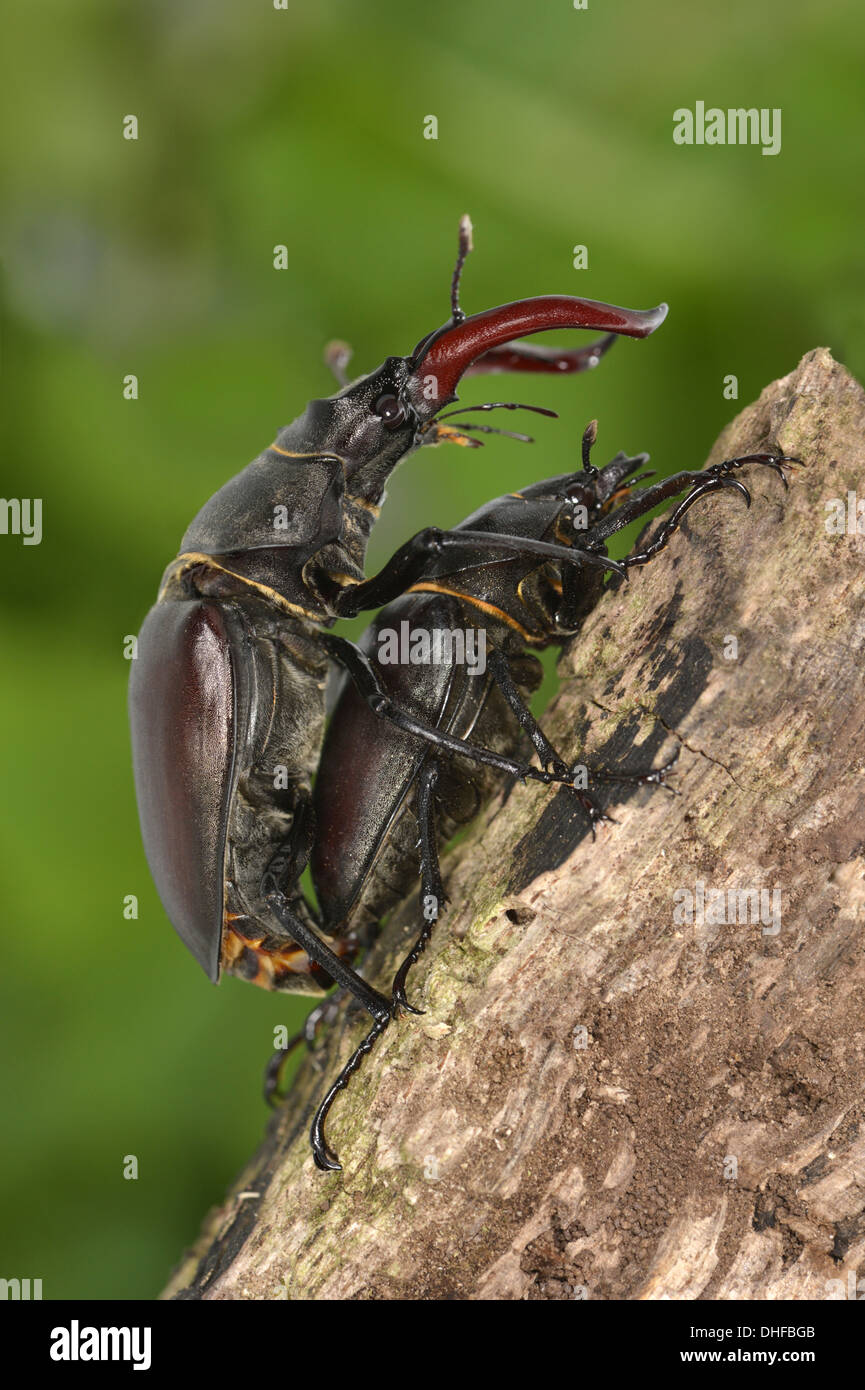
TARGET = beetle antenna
x,y
465,246
590,434
491,429
499,405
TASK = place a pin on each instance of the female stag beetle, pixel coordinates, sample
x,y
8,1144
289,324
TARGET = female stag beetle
x,y
227,692
381,795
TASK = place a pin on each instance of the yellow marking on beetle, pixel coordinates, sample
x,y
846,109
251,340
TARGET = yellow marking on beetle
x,y
427,586
520,595
316,454
361,502
342,579
191,558
277,965
621,492
273,964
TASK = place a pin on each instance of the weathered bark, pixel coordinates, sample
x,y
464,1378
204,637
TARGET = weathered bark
x,y
707,1140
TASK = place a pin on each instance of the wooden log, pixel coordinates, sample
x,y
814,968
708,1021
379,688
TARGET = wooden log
x,y
605,1099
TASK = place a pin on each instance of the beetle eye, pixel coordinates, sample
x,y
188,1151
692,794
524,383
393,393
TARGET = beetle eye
x,y
391,410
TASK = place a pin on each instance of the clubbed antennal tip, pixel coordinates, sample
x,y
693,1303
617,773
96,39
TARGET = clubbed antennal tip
x,y
590,434
466,245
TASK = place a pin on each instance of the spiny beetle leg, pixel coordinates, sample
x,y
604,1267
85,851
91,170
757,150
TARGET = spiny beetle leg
x,y
432,895
552,761
412,561
773,461
272,1078
318,950
325,1158
498,666
674,521
374,1003
655,777
432,890
361,671
701,483
595,812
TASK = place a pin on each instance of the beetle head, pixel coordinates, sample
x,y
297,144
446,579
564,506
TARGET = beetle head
x,y
368,424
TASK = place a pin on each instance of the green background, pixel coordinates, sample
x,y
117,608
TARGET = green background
x,y
155,257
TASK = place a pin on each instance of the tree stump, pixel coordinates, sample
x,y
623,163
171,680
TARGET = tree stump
x,y
636,1077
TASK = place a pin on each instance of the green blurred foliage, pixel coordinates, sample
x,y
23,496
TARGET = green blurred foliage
x,y
305,127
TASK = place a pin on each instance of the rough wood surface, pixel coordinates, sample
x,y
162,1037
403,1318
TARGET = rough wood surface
x,y
703,1137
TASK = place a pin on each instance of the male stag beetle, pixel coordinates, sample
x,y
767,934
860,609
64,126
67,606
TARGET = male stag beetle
x,y
227,692
381,794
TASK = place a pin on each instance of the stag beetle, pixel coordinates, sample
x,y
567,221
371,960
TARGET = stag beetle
x,y
381,794
227,692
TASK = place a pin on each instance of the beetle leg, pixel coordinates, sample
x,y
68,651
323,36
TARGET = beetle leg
x,y
655,777
413,560
432,894
288,863
272,1078
319,952
702,482
374,1003
713,480
498,665
324,1156
550,759
362,673
323,1014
